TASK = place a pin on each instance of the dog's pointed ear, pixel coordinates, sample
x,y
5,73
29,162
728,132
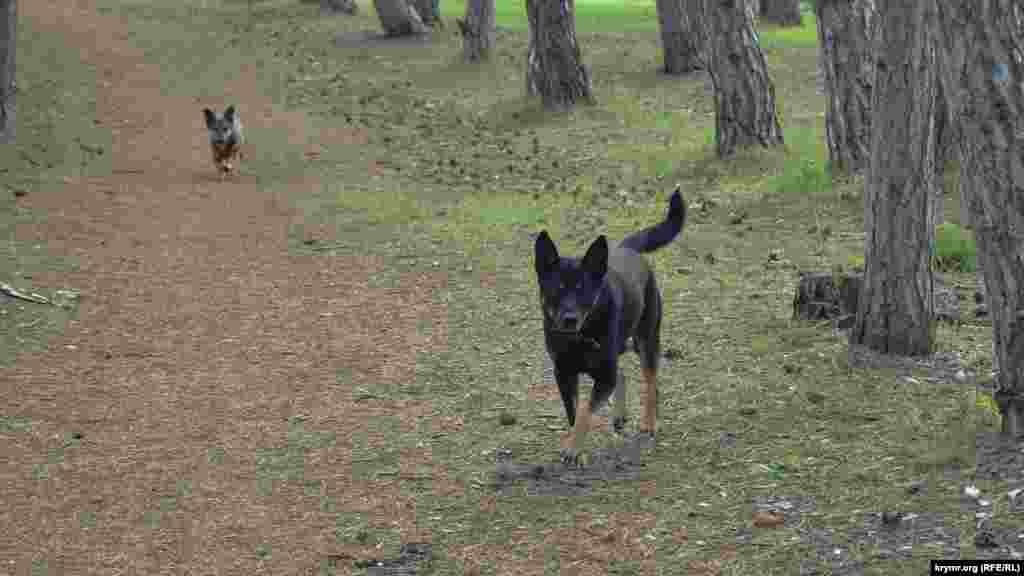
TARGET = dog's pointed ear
x,y
545,255
595,261
229,113
211,118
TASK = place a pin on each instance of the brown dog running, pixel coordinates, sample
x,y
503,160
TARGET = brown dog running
x,y
225,139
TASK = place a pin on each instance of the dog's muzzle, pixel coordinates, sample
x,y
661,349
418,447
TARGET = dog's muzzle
x,y
568,323
570,331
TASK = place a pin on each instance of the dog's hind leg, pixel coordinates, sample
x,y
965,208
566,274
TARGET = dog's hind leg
x,y
649,349
650,417
619,413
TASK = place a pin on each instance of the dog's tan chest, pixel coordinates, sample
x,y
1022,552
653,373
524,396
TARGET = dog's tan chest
x,y
224,151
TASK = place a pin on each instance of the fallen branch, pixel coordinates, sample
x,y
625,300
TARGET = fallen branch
x,y
62,298
33,297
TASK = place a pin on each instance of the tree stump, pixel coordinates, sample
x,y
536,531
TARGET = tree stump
x,y
825,296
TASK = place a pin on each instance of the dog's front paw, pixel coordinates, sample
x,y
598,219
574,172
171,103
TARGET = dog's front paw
x,y
618,424
570,457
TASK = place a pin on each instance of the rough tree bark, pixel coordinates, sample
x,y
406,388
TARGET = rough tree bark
x,y
478,30
554,67
335,6
951,71
946,128
428,10
682,35
946,134
846,34
781,12
987,37
8,41
895,314
744,94
399,17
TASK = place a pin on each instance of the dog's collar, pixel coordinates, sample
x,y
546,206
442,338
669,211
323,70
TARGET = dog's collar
x,y
577,336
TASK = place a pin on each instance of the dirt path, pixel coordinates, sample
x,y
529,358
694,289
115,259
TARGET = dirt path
x,y
198,337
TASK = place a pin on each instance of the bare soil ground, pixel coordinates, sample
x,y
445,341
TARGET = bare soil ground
x,y
196,327
312,365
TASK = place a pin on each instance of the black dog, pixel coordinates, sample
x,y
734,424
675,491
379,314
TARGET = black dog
x,y
591,308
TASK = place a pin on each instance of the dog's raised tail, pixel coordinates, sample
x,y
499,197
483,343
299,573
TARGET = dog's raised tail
x,y
650,239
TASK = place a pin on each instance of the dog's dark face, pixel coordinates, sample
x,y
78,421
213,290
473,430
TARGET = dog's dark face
x,y
569,288
222,129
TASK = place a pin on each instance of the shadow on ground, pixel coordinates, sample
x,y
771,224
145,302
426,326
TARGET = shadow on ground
x,y
606,464
411,559
375,39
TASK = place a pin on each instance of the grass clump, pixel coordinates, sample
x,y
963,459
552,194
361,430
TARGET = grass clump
x,y
803,36
954,249
805,169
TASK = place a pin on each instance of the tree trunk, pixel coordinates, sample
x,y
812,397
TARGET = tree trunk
x,y
744,94
554,68
755,9
682,30
399,18
335,6
952,74
781,12
428,10
946,130
951,71
947,121
987,36
896,309
847,33
8,41
478,30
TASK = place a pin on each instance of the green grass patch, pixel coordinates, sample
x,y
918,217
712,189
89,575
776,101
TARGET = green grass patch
x,y
805,168
803,36
955,249
609,16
